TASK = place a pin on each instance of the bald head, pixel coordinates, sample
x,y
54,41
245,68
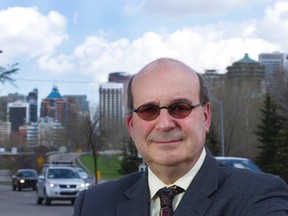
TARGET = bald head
x,y
165,62
155,73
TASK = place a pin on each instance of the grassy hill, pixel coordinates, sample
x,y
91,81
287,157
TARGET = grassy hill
x,y
108,165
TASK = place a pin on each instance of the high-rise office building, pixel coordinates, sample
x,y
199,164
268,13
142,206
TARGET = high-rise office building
x,y
32,99
18,114
276,68
274,62
111,107
121,77
111,115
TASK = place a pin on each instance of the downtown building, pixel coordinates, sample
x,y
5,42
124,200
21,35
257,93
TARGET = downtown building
x,y
276,70
111,104
18,111
121,77
274,62
112,110
111,115
236,99
50,128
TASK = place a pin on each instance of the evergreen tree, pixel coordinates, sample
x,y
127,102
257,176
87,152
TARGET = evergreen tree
x,y
212,142
130,160
268,132
280,164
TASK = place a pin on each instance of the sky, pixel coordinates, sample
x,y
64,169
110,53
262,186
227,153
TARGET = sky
x,y
75,44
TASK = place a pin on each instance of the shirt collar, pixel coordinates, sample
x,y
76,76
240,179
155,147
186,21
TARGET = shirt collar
x,y
155,183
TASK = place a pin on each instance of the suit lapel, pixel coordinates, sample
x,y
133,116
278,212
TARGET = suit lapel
x,y
196,199
138,202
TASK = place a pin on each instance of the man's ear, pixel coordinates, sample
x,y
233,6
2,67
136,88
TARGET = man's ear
x,y
129,124
207,116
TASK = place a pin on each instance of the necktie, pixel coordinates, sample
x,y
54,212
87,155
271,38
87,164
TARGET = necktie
x,y
166,196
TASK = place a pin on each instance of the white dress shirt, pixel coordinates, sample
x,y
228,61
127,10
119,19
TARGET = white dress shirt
x,y
155,184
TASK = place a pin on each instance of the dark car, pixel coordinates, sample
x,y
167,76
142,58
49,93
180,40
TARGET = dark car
x,y
238,162
24,178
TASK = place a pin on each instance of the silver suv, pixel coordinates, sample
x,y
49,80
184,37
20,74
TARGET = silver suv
x,y
58,182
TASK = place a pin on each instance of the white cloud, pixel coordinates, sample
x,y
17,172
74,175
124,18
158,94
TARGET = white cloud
x,y
27,32
213,46
274,26
176,8
202,48
57,65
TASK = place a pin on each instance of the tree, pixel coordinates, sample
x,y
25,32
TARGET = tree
x,y
212,141
5,76
268,132
75,127
280,165
93,141
130,160
6,73
278,84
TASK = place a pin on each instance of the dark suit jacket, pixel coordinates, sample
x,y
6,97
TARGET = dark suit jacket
x,y
215,191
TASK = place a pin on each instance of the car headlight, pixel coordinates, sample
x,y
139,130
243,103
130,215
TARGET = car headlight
x,y
52,185
82,185
22,181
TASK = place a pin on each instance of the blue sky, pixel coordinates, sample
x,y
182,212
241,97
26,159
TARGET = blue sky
x,y
76,44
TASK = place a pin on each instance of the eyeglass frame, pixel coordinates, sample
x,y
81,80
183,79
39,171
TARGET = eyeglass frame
x,y
169,107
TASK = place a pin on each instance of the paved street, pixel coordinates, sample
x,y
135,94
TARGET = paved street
x,y
22,203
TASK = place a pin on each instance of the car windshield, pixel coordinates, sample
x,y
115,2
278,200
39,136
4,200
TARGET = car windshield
x,y
62,174
83,174
244,164
24,174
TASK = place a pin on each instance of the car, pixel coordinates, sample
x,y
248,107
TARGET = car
x,y
24,178
89,181
238,162
58,182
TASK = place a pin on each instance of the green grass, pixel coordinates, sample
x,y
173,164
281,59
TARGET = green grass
x,y
108,165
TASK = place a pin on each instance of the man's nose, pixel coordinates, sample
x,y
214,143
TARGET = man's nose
x,y
165,121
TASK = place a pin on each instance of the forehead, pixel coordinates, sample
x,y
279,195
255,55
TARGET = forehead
x,y
164,82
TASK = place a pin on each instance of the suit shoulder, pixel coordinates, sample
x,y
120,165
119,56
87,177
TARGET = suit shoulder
x,y
249,178
121,184
104,198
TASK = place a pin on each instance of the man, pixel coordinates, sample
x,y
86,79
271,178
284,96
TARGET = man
x,y
169,117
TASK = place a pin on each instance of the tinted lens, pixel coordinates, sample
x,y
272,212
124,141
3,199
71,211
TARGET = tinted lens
x,y
148,112
180,110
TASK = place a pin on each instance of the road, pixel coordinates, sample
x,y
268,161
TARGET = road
x,y
22,203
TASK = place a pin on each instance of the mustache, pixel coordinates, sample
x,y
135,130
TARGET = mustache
x,y
166,137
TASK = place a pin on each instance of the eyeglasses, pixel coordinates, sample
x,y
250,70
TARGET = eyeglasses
x,y
178,110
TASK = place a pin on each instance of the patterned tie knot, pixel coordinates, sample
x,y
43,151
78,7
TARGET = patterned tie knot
x,y
166,196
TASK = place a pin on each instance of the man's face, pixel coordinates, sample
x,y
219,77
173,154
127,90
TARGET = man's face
x,y
167,140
